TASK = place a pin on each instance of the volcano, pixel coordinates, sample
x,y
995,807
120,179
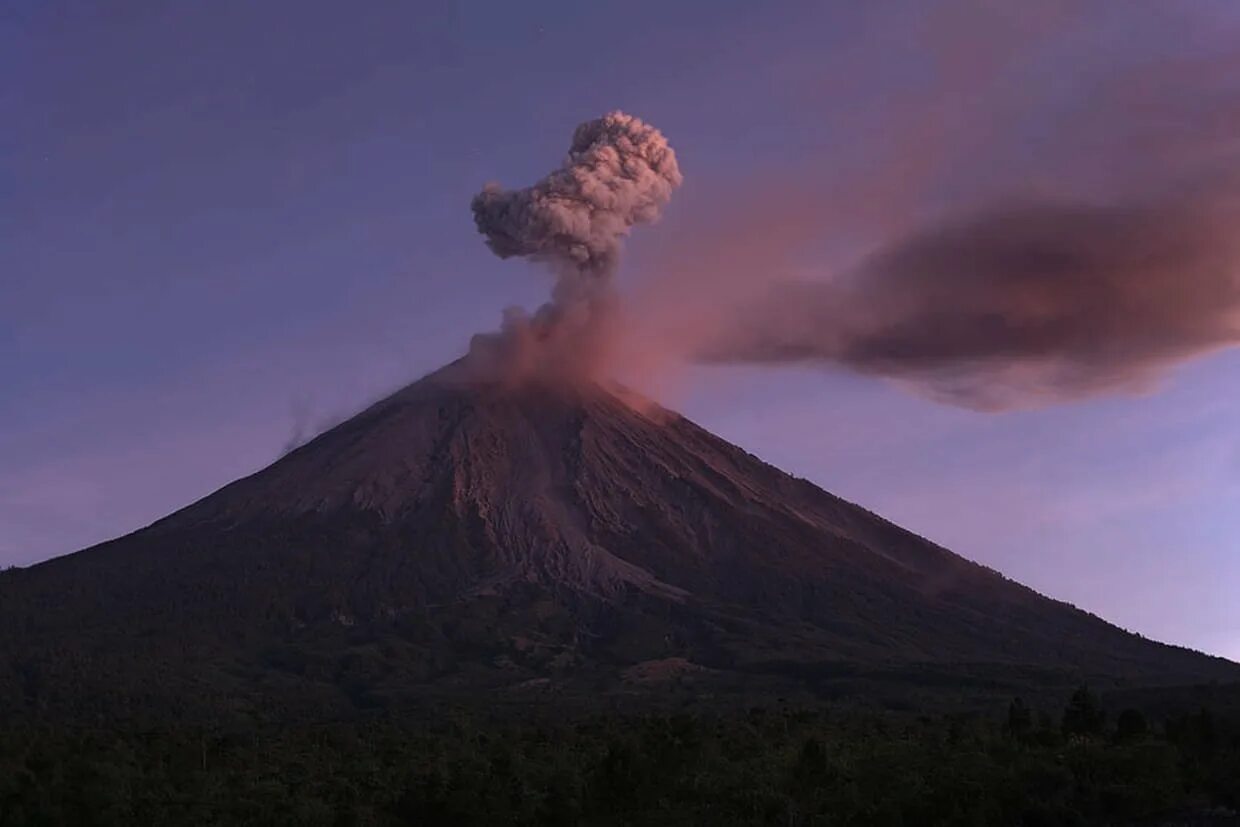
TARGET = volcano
x,y
464,537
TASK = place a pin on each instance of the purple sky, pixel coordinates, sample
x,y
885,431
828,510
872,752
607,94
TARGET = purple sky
x,y
220,219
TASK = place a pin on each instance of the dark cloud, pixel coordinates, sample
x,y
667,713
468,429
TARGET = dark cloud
x,y
1017,305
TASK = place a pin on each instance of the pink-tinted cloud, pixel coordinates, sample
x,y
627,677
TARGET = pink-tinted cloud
x,y
1017,306
993,252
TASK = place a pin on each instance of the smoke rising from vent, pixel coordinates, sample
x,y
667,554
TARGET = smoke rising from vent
x,y
619,172
975,232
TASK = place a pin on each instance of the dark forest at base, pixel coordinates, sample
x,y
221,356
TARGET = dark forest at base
x,y
1084,763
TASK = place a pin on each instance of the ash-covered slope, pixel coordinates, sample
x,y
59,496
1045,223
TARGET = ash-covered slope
x,y
468,536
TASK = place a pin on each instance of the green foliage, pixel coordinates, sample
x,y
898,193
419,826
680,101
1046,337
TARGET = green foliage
x,y
782,766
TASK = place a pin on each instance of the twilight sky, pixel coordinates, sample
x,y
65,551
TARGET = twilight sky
x,y
225,223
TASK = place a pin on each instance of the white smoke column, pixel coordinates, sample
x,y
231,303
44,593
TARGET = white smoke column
x,y
619,172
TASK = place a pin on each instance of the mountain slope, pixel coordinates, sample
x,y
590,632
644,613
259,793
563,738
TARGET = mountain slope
x,y
461,537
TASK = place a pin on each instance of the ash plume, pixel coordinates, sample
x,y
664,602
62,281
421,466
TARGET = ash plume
x,y
1017,305
619,172
993,238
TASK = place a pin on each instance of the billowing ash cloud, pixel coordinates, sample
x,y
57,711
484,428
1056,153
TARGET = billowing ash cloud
x,y
1017,305
993,237
619,172
983,233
